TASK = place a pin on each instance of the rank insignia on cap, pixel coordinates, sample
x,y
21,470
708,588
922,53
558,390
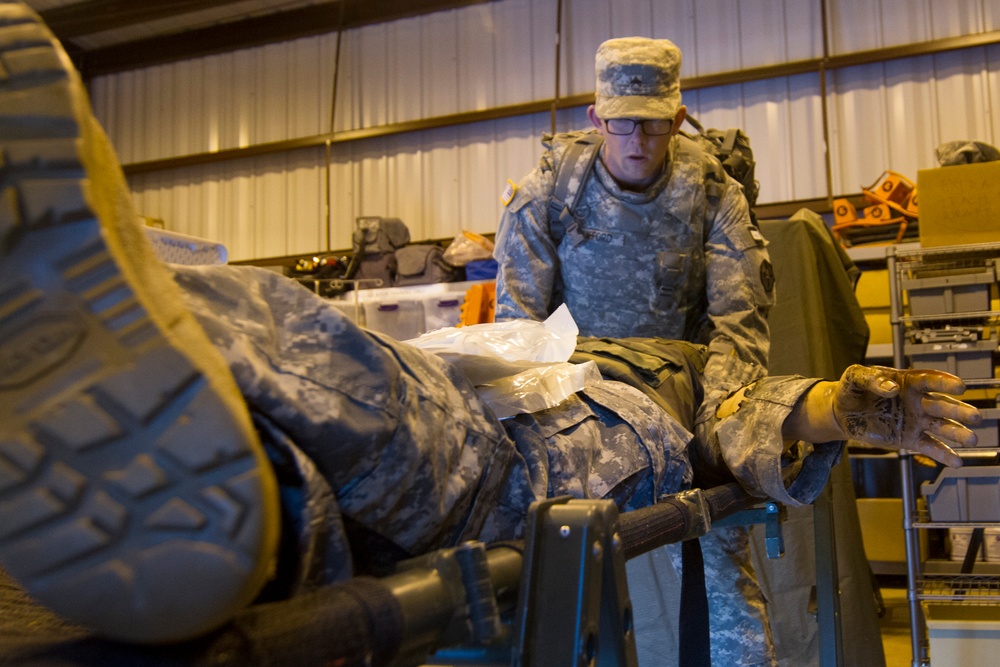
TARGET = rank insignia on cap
x,y
507,196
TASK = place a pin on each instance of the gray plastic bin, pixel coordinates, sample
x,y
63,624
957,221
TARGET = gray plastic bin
x,y
988,431
966,360
967,494
965,292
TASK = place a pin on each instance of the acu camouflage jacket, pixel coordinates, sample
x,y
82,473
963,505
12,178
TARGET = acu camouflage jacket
x,y
670,262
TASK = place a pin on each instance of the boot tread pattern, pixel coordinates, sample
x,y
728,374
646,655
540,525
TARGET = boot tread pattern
x,y
108,491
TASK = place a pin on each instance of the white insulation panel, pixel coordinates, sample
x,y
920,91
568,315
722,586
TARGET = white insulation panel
x,y
885,116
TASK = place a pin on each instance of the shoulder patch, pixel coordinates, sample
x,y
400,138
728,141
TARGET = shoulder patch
x,y
767,276
507,196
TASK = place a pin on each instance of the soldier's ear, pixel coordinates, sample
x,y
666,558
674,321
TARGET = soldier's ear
x,y
678,120
592,114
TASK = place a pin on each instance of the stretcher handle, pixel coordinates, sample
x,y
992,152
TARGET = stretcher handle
x,y
370,622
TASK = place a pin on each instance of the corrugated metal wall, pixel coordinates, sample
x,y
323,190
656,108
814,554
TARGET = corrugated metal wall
x,y
890,115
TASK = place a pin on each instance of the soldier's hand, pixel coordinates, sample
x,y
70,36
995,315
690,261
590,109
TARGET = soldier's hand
x,y
905,409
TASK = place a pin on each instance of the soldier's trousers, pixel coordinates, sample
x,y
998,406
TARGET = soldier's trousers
x,y
395,444
384,451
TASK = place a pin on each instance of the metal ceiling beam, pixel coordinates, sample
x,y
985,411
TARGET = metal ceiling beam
x,y
815,65
91,16
246,33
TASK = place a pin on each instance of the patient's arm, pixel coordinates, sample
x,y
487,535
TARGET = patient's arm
x,y
886,407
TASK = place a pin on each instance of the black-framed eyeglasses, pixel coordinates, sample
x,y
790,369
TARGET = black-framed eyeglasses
x,y
652,126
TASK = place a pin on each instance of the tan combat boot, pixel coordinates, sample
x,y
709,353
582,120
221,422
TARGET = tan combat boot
x,y
135,498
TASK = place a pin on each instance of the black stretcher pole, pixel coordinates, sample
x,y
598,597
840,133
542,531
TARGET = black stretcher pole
x,y
440,599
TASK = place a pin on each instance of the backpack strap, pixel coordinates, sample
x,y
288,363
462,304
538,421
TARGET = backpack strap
x,y
715,175
574,169
729,142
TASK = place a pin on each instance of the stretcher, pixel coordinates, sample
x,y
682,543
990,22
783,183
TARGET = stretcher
x,y
557,597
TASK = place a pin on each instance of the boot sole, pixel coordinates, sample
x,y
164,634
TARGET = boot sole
x,y
134,496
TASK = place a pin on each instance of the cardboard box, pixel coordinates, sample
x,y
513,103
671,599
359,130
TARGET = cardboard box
x,y
882,530
959,204
872,289
991,544
879,327
959,539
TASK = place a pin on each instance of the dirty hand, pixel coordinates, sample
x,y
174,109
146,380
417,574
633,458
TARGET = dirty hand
x,y
905,409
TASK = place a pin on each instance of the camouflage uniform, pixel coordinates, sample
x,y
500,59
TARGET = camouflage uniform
x,y
670,262
388,448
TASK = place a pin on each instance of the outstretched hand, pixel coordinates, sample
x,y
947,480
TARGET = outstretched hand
x,y
905,409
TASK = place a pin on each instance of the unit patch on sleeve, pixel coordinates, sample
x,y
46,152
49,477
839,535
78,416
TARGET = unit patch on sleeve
x,y
767,276
507,196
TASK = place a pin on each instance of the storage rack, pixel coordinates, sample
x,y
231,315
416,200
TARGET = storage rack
x,y
963,260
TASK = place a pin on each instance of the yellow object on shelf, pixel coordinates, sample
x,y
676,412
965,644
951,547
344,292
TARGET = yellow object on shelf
x,y
872,289
960,204
882,530
480,302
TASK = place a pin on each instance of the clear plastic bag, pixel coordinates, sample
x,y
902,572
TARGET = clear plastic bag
x,y
516,340
537,388
517,366
466,247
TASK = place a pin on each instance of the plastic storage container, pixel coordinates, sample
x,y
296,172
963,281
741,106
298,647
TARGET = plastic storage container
x,y
988,431
963,495
953,293
442,310
402,319
967,360
352,311
963,635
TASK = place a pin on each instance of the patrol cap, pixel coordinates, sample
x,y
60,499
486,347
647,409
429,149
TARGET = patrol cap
x,y
638,77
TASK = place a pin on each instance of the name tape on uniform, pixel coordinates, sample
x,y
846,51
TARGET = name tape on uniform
x,y
507,196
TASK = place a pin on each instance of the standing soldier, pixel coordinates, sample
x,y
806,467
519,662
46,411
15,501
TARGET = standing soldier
x,y
640,233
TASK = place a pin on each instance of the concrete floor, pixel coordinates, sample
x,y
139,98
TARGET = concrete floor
x,y
896,628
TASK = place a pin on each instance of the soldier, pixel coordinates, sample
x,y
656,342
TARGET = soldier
x,y
173,441
650,239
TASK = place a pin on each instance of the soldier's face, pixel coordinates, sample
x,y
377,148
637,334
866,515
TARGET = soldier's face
x,y
635,160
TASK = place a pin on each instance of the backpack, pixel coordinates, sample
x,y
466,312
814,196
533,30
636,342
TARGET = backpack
x,y
373,246
731,148
423,264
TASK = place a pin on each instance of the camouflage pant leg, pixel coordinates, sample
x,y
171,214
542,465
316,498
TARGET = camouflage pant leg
x,y
741,633
654,585
409,451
